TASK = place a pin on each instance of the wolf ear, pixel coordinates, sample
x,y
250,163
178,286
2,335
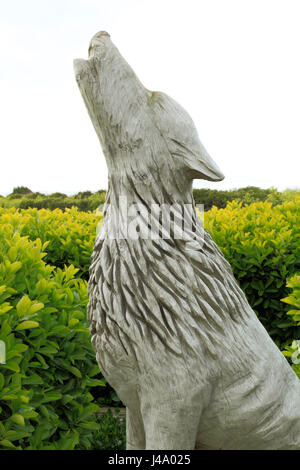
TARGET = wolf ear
x,y
200,165
182,139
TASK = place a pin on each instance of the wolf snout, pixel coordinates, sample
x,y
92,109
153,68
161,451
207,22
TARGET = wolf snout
x,y
98,39
100,34
80,68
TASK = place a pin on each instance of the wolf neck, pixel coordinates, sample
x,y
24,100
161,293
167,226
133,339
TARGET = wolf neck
x,y
148,192
149,187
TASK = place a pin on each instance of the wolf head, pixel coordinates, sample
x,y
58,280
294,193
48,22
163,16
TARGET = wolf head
x,y
141,132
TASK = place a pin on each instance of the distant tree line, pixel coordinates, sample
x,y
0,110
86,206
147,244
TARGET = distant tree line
x,y
219,198
24,198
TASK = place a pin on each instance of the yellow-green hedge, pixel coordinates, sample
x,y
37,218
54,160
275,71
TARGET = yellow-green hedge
x,y
293,300
262,244
50,368
69,234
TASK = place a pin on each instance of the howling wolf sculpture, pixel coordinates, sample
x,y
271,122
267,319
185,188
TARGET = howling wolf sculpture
x,y
173,333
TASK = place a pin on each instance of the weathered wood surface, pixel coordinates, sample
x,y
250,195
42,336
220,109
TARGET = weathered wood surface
x,y
173,332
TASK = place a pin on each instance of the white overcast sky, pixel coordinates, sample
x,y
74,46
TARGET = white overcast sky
x,y
233,64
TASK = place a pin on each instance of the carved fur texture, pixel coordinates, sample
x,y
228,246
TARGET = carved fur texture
x,y
173,332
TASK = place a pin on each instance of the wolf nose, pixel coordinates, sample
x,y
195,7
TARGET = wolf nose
x,y
101,33
97,36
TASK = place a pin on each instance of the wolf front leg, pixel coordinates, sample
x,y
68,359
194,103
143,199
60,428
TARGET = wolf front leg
x,y
171,426
135,434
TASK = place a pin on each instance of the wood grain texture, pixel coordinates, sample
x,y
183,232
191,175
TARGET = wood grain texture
x,y
172,330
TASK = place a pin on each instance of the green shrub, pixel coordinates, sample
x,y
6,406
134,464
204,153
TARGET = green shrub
x,y
111,434
14,197
21,190
219,198
6,202
248,195
47,202
70,234
57,201
30,196
83,194
293,299
58,195
261,242
50,370
276,197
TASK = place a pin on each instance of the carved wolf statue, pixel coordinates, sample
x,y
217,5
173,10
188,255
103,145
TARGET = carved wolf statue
x,y
173,333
